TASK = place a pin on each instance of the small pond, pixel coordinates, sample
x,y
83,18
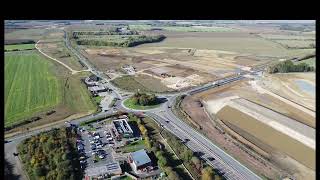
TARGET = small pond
x,y
306,86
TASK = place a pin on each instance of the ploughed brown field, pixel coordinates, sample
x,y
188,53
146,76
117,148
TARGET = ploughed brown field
x,y
261,132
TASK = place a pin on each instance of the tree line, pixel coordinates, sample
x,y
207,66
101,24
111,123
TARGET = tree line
x,y
51,155
198,168
288,66
129,42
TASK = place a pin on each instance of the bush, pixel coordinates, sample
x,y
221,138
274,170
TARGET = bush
x,y
143,99
288,66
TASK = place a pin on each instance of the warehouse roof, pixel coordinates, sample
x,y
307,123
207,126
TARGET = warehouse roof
x,y
140,157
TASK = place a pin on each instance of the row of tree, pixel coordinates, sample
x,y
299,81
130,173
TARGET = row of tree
x,y
129,42
196,167
51,155
144,99
289,66
112,31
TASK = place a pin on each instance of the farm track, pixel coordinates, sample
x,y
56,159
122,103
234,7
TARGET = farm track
x,y
68,67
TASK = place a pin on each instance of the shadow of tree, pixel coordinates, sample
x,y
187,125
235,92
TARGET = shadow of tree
x,y
8,171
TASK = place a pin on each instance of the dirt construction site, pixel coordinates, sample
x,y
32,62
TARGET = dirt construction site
x,y
261,124
177,68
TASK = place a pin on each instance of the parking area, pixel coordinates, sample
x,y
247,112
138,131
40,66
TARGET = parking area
x,y
95,146
106,144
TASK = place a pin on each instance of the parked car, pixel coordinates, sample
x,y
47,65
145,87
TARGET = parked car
x,y
93,147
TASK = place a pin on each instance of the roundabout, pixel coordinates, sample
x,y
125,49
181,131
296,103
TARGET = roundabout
x,y
130,105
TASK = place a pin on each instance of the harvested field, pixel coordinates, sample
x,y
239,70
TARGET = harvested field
x,y
34,34
287,36
297,43
59,51
142,82
269,135
225,41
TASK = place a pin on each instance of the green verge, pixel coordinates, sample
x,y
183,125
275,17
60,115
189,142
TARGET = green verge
x,y
129,104
134,146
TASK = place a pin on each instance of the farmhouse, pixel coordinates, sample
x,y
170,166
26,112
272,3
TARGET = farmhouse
x,y
123,129
97,89
140,161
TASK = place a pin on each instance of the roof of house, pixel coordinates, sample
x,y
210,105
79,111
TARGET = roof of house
x,y
140,157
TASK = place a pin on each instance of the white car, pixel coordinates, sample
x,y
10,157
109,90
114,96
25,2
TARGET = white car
x,y
93,153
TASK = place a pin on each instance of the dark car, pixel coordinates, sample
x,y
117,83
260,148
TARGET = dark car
x,y
211,158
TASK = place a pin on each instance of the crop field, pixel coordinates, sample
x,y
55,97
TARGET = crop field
x,y
34,34
269,136
19,47
228,41
30,86
225,41
182,29
35,85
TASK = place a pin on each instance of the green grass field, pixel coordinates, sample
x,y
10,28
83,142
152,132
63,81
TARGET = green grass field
x,y
128,103
19,47
30,86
